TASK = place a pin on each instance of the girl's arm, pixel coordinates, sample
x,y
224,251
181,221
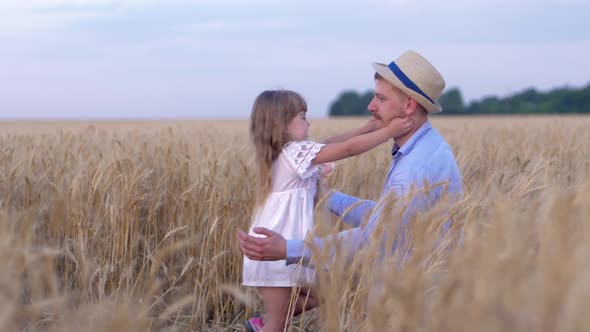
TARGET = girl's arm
x,y
362,143
368,127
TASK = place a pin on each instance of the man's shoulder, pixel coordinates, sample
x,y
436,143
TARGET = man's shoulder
x,y
432,148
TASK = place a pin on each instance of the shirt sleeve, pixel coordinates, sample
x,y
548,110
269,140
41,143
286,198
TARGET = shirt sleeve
x,y
351,209
348,242
300,155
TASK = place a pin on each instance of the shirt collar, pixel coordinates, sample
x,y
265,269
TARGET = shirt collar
x,y
406,148
394,149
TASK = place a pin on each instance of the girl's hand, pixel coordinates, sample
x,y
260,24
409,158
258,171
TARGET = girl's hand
x,y
400,126
372,125
326,170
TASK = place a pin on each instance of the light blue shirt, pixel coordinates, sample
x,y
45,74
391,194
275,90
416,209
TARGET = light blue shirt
x,y
425,156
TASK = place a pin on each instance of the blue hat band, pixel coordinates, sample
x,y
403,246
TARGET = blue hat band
x,y
407,81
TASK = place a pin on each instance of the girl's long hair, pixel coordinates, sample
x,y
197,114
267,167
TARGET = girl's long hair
x,y
272,112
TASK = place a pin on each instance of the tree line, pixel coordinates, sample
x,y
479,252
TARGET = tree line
x,y
530,101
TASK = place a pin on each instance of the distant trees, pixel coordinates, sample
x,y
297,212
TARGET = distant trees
x,y
530,101
351,103
452,101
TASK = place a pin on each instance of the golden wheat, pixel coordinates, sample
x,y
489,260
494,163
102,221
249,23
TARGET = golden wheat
x,y
131,226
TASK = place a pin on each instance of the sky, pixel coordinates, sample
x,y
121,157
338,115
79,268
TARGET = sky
x,y
127,59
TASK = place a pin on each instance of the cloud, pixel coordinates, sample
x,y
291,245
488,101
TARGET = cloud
x,y
237,25
448,3
26,17
64,4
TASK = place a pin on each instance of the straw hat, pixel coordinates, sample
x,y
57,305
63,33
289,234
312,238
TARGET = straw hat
x,y
415,76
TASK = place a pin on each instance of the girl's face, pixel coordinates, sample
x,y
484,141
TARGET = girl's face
x,y
298,126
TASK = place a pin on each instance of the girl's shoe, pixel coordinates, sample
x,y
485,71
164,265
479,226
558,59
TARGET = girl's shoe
x,y
254,324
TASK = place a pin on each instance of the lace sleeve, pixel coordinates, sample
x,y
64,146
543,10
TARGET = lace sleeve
x,y
300,154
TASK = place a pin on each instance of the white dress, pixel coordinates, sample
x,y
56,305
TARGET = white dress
x,y
288,210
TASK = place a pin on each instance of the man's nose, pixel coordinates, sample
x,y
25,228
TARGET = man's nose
x,y
372,107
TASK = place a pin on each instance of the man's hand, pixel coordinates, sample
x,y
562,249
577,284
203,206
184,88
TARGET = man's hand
x,y
271,248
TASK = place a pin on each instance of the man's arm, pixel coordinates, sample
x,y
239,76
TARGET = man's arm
x,y
274,246
352,240
351,209
395,214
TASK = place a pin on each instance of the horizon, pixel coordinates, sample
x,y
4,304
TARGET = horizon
x,y
313,116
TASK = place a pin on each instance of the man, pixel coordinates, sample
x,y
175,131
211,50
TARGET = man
x,y
408,87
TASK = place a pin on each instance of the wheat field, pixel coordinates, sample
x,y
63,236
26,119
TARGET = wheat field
x,y
131,226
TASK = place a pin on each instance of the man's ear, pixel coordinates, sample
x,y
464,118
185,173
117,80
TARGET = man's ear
x,y
411,106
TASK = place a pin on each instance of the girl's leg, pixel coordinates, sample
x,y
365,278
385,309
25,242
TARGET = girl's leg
x,y
305,300
276,304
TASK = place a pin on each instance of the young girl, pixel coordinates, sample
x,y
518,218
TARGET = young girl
x,y
288,172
